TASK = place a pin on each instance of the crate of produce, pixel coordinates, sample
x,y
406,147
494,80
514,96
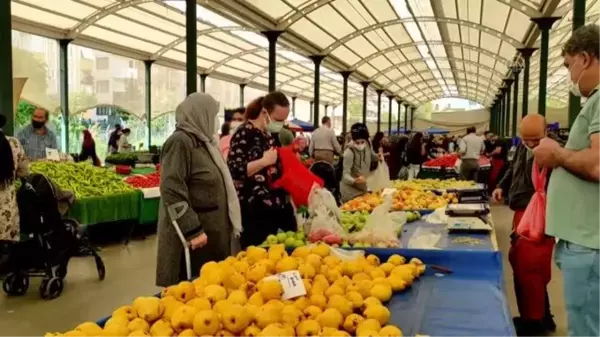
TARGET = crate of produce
x,y
127,159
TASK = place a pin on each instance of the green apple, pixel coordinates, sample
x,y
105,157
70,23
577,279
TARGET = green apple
x,y
358,245
264,245
290,234
290,242
271,240
300,236
345,244
281,237
299,243
366,245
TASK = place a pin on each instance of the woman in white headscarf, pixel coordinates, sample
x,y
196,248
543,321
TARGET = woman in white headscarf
x,y
199,207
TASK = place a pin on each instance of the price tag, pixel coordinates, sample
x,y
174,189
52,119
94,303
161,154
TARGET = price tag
x,y
52,154
292,284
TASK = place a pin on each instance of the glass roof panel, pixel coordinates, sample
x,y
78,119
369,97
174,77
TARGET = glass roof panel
x,y
317,35
66,7
275,9
41,16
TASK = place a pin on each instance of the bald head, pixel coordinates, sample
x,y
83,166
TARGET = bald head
x,y
532,129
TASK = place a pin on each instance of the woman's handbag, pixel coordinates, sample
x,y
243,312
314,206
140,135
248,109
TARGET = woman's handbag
x,y
533,223
295,179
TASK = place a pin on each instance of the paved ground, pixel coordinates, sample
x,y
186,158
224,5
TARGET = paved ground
x,y
130,273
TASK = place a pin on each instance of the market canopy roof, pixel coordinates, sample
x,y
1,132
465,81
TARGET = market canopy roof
x,y
416,50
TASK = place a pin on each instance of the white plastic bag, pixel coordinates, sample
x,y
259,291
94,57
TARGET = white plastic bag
x,y
424,238
380,178
380,229
325,215
457,165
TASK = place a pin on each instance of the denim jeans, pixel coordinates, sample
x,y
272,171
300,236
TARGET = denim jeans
x,y
580,270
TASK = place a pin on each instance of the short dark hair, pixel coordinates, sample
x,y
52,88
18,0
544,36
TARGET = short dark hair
x,y
471,129
46,113
118,126
275,98
325,119
126,130
583,40
254,108
487,133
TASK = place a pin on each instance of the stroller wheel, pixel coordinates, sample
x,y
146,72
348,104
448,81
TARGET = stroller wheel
x,y
51,288
100,267
16,284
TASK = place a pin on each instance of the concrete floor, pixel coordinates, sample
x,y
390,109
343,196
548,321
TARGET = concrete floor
x,y
130,273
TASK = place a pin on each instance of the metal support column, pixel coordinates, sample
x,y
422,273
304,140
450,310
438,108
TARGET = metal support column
x,y
526,53
317,61
345,76
399,102
508,83
391,99
312,105
6,88
544,24
148,99
272,36
325,110
578,21
191,47
242,98
365,85
294,106
379,93
412,117
64,93
515,113
203,82
501,113
406,106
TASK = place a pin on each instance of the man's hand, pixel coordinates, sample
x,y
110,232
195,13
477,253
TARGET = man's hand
x,y
199,241
497,195
547,153
360,180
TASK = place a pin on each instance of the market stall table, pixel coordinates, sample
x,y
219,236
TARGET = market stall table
x,y
444,240
469,301
109,208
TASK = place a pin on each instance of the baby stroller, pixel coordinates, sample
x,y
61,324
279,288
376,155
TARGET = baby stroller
x,y
326,171
47,241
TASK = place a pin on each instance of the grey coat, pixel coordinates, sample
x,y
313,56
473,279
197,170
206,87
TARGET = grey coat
x,y
355,163
189,174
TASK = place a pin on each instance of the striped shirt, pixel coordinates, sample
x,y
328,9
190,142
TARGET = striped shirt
x,y
35,145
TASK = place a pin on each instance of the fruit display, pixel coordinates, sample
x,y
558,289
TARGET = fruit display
x,y
236,297
449,160
83,179
432,184
289,239
403,200
355,221
144,180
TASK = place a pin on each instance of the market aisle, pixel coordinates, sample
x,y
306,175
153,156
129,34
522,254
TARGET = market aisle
x,y
503,221
129,273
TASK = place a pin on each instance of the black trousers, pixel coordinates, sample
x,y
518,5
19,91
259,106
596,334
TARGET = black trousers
x,y
259,221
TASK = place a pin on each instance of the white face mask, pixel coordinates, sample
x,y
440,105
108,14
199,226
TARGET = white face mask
x,y
574,86
360,147
234,125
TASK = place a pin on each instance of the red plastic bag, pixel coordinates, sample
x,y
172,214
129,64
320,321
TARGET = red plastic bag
x,y
533,223
296,179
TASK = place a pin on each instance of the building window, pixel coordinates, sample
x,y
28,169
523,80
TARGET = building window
x,y
102,63
102,87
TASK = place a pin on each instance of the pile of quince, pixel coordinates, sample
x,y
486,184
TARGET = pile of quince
x,y
233,298
432,184
366,202
407,199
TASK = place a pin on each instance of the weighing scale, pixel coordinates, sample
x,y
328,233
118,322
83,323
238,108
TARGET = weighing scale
x,y
468,218
470,194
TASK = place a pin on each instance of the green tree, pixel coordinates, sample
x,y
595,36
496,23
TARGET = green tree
x,y
24,113
355,108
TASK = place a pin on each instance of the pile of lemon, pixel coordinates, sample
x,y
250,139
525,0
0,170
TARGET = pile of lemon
x,y
233,298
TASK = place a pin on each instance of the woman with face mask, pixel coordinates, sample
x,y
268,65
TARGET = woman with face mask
x,y
357,160
253,165
236,120
199,208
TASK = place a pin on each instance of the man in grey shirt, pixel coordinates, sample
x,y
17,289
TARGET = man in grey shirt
x,y
471,147
324,143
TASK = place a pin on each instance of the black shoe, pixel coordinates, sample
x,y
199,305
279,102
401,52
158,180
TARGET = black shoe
x,y
549,324
528,327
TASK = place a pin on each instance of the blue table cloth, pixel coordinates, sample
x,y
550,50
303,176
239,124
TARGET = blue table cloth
x,y
468,302
447,241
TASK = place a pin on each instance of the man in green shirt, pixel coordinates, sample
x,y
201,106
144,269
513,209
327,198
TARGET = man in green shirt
x,y
572,211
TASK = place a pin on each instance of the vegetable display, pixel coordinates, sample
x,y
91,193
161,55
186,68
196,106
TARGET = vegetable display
x,y
122,159
82,179
144,180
